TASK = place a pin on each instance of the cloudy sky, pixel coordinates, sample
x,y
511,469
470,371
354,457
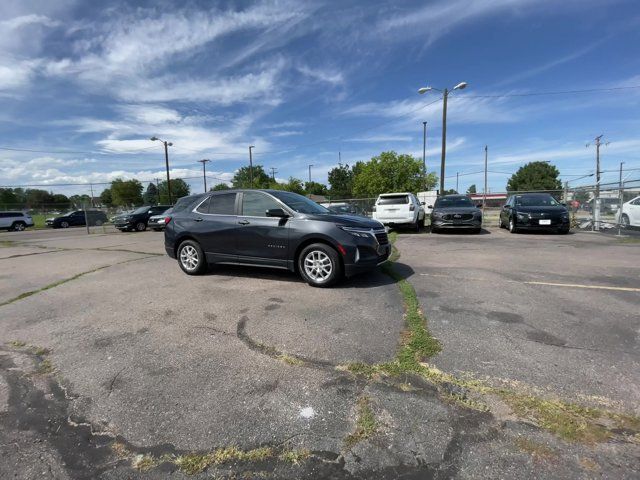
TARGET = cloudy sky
x,y
83,87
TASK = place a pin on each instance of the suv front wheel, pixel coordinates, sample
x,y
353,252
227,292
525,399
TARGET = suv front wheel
x,y
319,265
18,226
191,258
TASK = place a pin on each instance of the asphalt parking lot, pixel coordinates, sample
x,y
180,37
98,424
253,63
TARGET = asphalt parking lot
x,y
117,365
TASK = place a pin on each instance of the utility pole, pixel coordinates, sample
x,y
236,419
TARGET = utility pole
x,y
310,172
457,174
166,160
445,96
204,172
596,198
273,173
424,154
91,186
620,199
251,165
484,192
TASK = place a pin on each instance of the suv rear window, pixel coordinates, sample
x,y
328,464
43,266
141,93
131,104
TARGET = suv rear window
x,y
394,200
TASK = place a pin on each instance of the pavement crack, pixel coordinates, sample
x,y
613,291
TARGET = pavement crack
x,y
114,379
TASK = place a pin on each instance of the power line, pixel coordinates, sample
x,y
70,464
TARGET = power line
x,y
86,184
557,92
63,152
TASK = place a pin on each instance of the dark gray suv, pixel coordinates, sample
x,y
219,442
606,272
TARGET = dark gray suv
x,y
272,228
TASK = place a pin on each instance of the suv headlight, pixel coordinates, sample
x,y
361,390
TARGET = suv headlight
x,y
356,232
523,216
437,214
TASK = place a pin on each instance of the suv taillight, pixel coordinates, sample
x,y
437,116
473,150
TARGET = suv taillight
x,y
412,207
167,220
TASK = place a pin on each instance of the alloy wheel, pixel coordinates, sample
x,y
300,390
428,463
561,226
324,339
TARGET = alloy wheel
x,y
189,258
318,266
18,227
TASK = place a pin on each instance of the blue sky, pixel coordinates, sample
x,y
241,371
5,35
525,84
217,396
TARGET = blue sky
x,y
87,84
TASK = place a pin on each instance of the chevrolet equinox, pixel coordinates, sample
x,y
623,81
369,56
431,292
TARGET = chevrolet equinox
x,y
272,228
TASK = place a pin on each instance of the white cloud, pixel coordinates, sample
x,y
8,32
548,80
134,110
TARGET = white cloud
x,y
15,74
286,133
380,139
325,75
25,20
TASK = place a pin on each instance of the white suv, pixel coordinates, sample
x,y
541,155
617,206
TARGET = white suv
x,y
630,214
399,209
17,221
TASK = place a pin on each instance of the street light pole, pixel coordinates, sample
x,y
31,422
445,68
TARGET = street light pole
x,y
204,172
424,154
310,172
445,97
166,160
251,165
484,193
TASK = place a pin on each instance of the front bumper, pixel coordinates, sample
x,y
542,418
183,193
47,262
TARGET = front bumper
x,y
123,225
557,223
364,253
441,223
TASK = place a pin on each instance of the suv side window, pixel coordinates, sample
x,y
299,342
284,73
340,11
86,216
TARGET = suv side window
x,y
204,206
256,204
223,204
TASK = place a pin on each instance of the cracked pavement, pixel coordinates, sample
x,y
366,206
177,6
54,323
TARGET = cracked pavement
x,y
171,364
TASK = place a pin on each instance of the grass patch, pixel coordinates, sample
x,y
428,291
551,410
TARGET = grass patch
x,y
294,457
7,243
366,424
193,463
289,359
45,367
144,463
17,343
534,449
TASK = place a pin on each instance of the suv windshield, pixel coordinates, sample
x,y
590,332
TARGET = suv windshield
x,y
536,201
453,202
141,210
300,204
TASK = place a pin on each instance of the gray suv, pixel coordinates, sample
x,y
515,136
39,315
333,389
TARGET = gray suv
x,y
16,221
273,228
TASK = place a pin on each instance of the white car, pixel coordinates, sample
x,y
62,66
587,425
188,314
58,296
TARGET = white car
x,y
399,209
630,214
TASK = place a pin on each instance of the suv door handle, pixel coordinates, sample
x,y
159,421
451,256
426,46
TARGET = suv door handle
x,y
243,222
199,219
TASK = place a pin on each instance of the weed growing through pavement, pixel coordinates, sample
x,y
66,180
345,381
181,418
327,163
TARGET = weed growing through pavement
x,y
366,424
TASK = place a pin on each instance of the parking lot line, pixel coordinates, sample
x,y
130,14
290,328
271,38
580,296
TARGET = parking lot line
x,y
577,285
550,284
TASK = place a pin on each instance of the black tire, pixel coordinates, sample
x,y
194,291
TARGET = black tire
x,y
563,230
434,229
18,226
191,258
477,230
500,225
512,225
313,262
64,224
416,226
141,227
625,221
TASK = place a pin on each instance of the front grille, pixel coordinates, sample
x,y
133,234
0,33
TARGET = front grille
x,y
382,238
457,216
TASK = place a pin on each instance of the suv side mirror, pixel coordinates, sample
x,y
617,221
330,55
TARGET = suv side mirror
x,y
422,203
276,212
429,206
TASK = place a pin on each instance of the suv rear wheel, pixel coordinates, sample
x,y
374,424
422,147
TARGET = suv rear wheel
x,y
141,226
319,265
191,258
18,226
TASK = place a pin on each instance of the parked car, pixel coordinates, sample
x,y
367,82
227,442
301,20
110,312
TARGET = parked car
x,y
344,208
273,228
630,213
399,209
534,211
156,223
76,218
16,221
455,211
139,218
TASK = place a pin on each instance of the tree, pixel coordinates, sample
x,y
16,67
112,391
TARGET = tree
x,y
179,188
150,196
60,201
294,185
8,198
341,181
535,176
451,191
80,201
220,186
472,189
391,172
105,197
126,192
315,188
36,198
242,178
